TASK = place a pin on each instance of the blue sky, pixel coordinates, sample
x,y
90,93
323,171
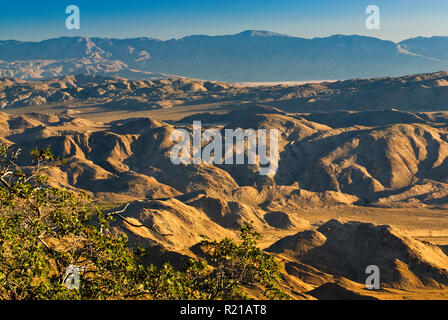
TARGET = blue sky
x,y
166,19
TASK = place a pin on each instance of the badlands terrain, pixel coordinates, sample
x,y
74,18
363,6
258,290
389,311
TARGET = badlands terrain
x,y
362,177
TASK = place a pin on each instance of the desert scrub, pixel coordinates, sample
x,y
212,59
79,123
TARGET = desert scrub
x,y
43,230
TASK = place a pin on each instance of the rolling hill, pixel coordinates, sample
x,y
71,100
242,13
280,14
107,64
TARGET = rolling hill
x,y
329,166
421,92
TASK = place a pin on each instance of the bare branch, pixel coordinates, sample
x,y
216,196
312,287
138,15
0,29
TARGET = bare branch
x,y
118,215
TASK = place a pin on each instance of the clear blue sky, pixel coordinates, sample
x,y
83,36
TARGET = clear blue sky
x,y
165,19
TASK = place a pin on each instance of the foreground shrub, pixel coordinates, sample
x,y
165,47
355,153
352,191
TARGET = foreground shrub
x,y
44,231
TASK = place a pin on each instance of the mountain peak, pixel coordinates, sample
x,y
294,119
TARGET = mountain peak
x,y
261,33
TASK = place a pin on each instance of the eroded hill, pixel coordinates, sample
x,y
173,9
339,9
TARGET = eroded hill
x,y
405,161
422,92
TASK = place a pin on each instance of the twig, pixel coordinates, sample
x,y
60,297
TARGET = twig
x,y
142,225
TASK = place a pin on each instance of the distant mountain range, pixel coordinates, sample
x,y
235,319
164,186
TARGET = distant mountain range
x,y
247,56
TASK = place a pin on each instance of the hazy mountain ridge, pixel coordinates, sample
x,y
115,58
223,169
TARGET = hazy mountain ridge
x,y
433,47
247,56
